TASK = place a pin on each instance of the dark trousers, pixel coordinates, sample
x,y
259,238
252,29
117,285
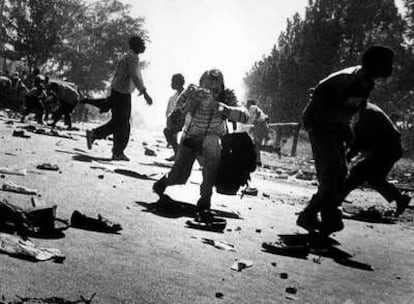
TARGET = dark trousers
x,y
103,104
374,168
65,110
171,137
119,125
33,105
329,154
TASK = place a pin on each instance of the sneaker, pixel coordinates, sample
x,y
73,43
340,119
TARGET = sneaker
x,y
90,138
159,186
308,221
120,157
402,203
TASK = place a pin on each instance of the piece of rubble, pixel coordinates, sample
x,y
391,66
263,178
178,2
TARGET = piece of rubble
x,y
48,166
16,246
284,275
219,295
219,244
250,191
13,171
20,133
149,152
242,264
12,187
291,290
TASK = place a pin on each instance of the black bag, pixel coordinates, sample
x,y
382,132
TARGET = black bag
x,y
175,120
238,160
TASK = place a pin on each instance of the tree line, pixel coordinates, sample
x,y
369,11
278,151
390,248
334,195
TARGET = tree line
x,y
72,39
332,35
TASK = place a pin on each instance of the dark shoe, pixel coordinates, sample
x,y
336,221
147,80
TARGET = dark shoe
x,y
329,228
203,204
204,216
90,138
331,222
308,221
102,224
171,158
402,203
120,157
160,186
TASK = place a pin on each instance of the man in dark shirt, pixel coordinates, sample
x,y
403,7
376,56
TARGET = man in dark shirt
x,y
377,139
327,118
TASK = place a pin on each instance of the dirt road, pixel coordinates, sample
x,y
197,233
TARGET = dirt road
x,y
157,259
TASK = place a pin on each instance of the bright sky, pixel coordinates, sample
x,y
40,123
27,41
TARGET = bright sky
x,y
190,36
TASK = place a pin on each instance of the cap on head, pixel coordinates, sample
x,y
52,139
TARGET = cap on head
x,y
377,61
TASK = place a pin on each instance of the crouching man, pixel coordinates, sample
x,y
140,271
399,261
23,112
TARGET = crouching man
x,y
378,142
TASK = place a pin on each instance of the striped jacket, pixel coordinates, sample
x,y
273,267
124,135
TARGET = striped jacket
x,y
205,115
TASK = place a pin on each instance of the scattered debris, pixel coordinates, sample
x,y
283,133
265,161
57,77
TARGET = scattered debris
x,y
219,244
242,264
20,133
317,260
48,166
238,228
52,300
250,191
283,247
305,175
12,187
219,295
291,290
13,171
101,224
149,152
17,246
266,195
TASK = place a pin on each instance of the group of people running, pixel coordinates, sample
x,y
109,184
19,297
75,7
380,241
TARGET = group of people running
x,y
39,95
201,112
338,118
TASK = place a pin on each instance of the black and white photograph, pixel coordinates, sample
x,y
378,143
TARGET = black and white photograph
x,y
206,151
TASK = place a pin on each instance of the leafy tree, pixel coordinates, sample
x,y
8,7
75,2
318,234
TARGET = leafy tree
x,y
332,35
35,28
73,40
96,44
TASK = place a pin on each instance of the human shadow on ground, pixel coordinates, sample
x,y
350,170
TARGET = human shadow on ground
x,y
301,245
134,174
170,208
88,158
